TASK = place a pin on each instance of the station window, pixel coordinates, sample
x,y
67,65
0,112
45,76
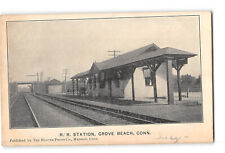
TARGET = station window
x,y
148,81
147,76
117,79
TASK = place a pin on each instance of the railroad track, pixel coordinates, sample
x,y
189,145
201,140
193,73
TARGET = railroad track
x,y
125,115
71,111
35,121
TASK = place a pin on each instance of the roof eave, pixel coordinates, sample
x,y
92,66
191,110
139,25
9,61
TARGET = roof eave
x,y
181,55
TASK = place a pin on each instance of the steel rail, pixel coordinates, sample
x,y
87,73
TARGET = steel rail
x,y
116,114
32,112
91,120
133,117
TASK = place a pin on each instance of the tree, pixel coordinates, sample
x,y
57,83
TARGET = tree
x,y
187,81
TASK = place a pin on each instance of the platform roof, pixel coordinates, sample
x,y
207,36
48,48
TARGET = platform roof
x,y
148,52
82,74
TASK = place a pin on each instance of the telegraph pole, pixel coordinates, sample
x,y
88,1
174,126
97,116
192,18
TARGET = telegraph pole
x,y
114,53
34,75
65,72
37,77
41,77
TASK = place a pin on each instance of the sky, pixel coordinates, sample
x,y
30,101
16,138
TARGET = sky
x,y
52,46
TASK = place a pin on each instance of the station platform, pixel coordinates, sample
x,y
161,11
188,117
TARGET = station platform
x,y
182,111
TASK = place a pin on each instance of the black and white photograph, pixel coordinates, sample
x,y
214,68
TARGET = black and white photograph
x,y
104,71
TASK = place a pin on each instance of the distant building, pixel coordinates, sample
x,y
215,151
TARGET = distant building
x,y
144,72
54,87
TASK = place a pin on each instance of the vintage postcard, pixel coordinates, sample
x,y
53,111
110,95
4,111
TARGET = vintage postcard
x,y
107,78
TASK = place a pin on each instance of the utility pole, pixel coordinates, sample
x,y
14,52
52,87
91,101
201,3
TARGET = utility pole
x,y
114,53
41,76
65,72
34,75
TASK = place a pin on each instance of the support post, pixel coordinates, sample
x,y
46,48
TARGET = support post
x,y
187,92
170,90
132,83
73,86
110,87
77,88
179,86
153,68
84,86
178,65
154,86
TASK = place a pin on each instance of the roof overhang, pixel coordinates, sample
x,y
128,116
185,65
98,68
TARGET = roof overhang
x,y
146,58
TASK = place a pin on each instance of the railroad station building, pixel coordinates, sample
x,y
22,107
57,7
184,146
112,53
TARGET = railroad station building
x,y
143,72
